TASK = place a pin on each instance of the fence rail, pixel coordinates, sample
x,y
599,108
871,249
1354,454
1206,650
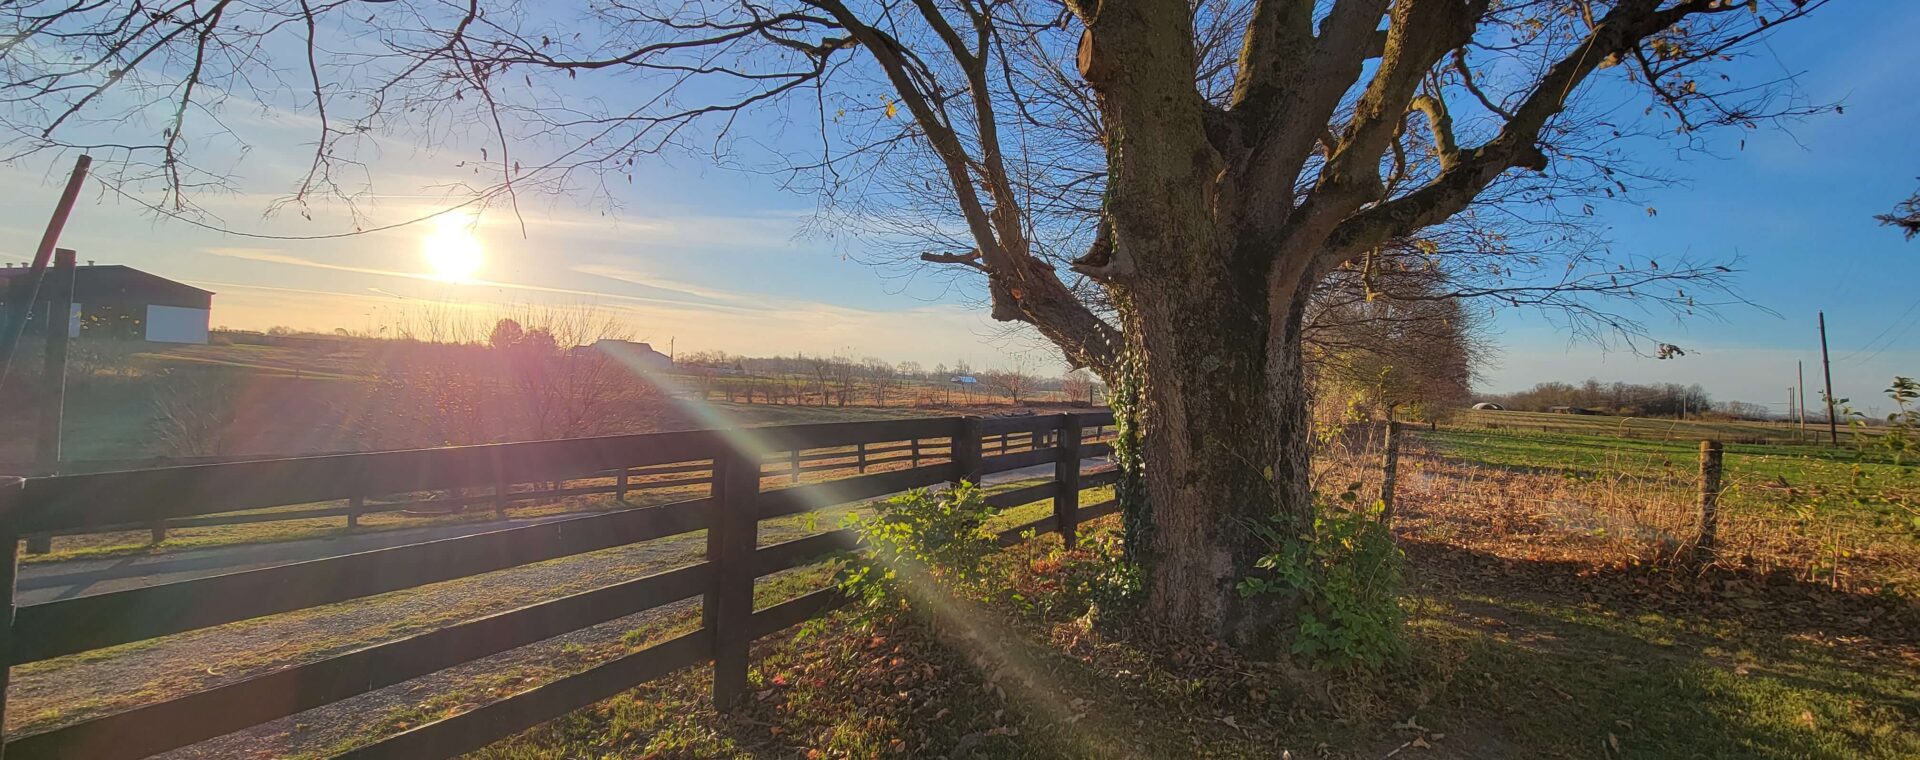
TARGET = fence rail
x,y
738,466
794,464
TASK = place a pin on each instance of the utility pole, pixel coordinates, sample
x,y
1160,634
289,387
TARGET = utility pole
x,y
1789,406
20,304
1826,366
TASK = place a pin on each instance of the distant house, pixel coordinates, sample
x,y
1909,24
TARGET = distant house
x,y
118,301
634,354
964,380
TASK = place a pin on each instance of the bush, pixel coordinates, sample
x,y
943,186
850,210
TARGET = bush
x,y
1347,576
920,535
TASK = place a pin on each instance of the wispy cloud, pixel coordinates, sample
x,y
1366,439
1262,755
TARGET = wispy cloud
x,y
656,282
711,299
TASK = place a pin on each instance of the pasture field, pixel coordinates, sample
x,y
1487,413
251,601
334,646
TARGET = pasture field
x,y
1846,516
1846,482
1731,431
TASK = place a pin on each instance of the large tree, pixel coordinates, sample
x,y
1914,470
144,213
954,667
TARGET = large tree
x,y
1158,187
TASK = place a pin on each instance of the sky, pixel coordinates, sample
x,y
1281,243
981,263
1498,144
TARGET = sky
x,y
705,258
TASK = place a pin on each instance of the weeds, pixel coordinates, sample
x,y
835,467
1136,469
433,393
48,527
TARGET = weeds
x,y
1347,576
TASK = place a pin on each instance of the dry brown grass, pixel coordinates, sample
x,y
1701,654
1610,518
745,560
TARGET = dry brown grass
x,y
1618,517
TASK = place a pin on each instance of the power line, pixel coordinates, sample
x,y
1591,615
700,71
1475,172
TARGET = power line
x,y
1895,322
177,216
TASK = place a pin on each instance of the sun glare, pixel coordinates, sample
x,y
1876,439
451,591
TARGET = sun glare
x,y
452,252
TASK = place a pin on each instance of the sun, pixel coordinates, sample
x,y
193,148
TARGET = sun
x,y
452,252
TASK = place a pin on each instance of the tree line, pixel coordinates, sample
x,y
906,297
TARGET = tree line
x,y
1625,399
840,381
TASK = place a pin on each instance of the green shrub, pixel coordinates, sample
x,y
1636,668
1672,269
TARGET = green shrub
x,y
920,535
1347,577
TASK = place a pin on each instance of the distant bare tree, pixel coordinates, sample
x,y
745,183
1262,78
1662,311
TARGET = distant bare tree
x,y
1077,386
881,376
1388,336
1013,383
193,411
564,382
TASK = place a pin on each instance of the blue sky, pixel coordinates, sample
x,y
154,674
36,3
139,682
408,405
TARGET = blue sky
x,y
717,259
1797,207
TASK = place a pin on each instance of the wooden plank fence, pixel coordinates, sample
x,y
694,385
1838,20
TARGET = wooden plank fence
x,y
739,465
795,464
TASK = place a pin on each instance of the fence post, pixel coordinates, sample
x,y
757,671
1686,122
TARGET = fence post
x,y
966,451
793,466
355,505
1389,471
1711,456
727,609
1066,470
860,452
10,491
620,484
499,495
916,452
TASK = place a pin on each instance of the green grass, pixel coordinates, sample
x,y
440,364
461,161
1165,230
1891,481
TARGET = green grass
x,y
1640,427
1563,678
1866,487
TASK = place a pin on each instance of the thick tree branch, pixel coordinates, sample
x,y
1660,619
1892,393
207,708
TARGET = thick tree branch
x,y
1516,146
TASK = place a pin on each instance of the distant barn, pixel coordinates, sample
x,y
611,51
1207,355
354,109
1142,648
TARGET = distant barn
x,y
119,302
1489,406
635,354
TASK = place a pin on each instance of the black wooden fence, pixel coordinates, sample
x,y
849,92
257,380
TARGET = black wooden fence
x,y
795,464
734,461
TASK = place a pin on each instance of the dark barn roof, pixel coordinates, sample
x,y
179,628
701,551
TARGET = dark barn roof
x,y
118,283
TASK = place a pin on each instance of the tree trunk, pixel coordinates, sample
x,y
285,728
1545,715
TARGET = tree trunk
x,y
1222,414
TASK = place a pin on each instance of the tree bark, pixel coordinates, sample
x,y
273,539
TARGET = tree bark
x,y
1222,415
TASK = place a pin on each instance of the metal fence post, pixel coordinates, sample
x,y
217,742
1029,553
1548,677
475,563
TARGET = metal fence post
x,y
727,609
1711,457
1389,471
53,373
966,451
1066,470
